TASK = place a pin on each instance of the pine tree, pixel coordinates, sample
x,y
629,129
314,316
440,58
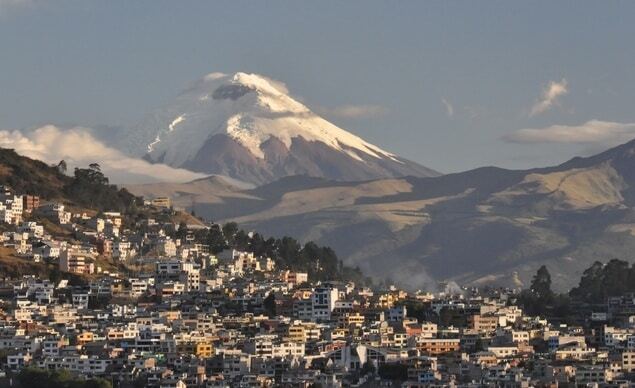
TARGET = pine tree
x,y
541,284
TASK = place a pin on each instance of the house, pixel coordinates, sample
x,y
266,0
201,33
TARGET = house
x,y
55,212
162,202
30,202
323,303
76,261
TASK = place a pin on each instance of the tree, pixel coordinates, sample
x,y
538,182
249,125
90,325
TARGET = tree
x,y
269,304
58,378
393,372
478,344
55,275
257,245
590,283
541,284
62,167
600,281
539,298
368,367
288,249
91,188
33,377
616,276
181,232
215,239
61,377
320,262
242,240
229,231
97,383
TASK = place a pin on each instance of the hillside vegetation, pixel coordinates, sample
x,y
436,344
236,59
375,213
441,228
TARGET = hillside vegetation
x,y
485,226
87,187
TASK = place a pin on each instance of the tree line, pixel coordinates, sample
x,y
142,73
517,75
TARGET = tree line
x,y
89,187
597,283
58,378
320,262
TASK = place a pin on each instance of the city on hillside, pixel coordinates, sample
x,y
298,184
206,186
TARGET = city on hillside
x,y
317,194
160,298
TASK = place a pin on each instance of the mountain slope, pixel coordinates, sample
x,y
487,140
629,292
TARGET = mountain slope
x,y
88,187
246,126
483,226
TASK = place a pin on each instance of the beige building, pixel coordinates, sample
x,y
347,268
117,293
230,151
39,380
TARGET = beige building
x,y
76,261
165,202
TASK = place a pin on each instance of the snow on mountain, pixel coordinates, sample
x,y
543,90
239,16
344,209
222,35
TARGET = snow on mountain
x,y
234,124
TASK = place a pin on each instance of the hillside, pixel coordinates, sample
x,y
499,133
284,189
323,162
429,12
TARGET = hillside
x,y
483,226
31,176
88,191
87,187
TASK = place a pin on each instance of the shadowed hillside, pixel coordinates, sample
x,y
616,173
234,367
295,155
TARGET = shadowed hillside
x,y
488,225
87,187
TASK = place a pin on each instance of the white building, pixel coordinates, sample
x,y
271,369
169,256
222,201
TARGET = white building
x,y
323,302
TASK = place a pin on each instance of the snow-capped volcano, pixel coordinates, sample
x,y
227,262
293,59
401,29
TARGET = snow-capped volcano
x,y
246,126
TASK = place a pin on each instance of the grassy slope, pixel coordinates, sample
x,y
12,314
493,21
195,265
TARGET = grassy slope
x,y
31,176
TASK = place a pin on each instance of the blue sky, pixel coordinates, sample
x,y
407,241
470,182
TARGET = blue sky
x,y
450,84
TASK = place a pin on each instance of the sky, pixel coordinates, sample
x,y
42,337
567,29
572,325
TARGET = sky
x,y
453,85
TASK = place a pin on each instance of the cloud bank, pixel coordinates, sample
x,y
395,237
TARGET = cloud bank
x,y
591,132
550,97
79,148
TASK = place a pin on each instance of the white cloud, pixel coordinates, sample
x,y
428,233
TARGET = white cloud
x,y
449,109
353,111
79,148
550,97
214,76
591,132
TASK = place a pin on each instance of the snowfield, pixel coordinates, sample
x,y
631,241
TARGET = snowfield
x,y
247,107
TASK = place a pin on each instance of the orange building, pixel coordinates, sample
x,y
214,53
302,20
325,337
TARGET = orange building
x,y
437,346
